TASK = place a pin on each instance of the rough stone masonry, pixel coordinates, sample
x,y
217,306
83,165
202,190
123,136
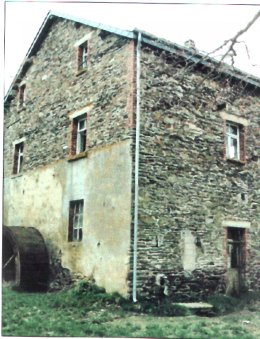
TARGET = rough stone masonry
x,y
194,202
187,186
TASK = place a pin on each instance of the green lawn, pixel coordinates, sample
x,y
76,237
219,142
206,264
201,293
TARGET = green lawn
x,y
80,313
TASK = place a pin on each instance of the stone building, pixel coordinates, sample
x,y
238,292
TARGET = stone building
x,y
137,160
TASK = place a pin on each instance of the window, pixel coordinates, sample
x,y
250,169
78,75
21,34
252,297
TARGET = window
x,y
79,135
76,220
235,141
83,56
18,158
21,96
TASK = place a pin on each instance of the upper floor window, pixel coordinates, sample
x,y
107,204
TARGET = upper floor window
x,y
21,96
83,56
235,141
18,158
79,135
82,46
76,220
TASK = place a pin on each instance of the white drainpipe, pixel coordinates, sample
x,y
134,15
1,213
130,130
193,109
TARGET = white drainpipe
x,y
137,145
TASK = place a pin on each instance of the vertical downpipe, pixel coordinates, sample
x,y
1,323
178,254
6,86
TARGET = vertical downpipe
x,y
137,143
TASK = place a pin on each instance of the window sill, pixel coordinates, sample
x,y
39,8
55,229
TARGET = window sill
x,y
235,161
75,243
21,108
81,71
14,176
78,156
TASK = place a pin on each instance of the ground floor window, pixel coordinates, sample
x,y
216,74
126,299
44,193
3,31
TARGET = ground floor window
x,y
76,220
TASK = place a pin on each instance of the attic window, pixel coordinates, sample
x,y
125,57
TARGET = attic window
x,y
82,47
83,56
21,96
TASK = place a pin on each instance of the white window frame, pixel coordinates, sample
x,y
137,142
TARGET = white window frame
x,y
83,44
77,211
75,117
81,134
84,56
18,156
230,137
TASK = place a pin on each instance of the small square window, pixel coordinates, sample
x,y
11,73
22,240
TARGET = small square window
x,y
76,220
235,141
83,56
18,158
79,135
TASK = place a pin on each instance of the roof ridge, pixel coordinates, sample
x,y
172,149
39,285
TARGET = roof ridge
x,y
153,40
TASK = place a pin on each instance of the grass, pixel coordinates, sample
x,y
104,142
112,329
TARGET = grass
x,y
87,311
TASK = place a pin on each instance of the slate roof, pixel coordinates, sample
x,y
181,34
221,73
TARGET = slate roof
x,y
147,38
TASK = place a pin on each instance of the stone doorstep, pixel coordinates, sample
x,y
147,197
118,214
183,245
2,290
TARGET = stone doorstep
x,y
196,305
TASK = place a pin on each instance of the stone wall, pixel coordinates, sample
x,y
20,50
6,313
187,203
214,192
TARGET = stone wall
x,y
40,195
187,187
54,89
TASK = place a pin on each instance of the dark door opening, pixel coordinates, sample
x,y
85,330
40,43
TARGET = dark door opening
x,y
235,260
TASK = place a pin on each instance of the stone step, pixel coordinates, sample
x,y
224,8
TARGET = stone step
x,y
197,306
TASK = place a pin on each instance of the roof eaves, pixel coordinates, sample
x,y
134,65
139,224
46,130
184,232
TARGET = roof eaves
x,y
197,57
147,38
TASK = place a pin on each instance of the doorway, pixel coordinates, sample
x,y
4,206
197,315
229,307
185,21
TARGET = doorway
x,y
236,260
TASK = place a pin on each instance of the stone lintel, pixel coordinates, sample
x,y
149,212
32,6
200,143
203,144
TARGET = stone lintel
x,y
238,224
234,118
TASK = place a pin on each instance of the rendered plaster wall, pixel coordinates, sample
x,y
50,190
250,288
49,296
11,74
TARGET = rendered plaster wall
x,y
187,187
40,198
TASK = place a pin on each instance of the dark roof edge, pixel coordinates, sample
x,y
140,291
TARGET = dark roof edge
x,y
44,28
198,58
147,38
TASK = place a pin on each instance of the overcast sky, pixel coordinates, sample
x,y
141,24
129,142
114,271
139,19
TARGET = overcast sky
x,y
208,25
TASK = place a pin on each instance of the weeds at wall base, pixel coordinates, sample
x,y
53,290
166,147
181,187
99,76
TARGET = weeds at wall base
x,y
87,310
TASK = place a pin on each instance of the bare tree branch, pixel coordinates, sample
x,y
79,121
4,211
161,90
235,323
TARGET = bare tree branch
x,y
234,40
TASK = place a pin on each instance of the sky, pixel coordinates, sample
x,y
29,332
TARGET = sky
x,y
209,25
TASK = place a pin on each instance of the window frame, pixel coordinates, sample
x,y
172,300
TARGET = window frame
x,y
79,136
21,95
229,138
83,53
241,124
83,56
81,143
18,158
76,216
75,117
